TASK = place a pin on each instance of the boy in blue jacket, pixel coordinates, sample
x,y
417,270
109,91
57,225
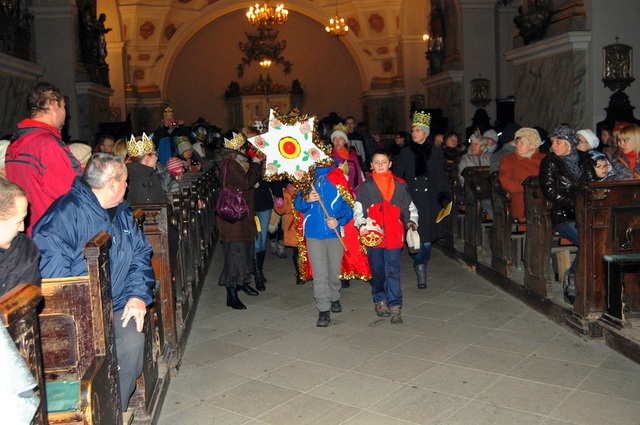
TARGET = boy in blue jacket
x,y
324,249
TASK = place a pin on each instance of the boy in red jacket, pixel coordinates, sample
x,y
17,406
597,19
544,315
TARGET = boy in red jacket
x,y
385,201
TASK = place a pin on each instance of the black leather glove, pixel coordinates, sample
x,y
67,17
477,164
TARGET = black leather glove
x,y
443,199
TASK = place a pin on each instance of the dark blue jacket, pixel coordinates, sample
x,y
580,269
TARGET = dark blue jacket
x,y
75,218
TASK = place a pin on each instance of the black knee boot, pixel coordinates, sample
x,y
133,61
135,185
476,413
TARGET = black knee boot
x,y
258,261
233,301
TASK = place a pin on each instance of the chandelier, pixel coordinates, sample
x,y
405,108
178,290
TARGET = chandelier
x,y
336,25
265,49
266,17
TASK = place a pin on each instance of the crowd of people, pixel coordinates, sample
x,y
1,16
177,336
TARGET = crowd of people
x,y
370,195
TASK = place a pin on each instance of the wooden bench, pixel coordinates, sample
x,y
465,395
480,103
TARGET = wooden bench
x,y
78,342
18,310
608,223
506,237
454,226
617,300
476,189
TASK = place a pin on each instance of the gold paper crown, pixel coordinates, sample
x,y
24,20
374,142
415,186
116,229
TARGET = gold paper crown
x,y
422,119
140,147
168,112
340,127
236,143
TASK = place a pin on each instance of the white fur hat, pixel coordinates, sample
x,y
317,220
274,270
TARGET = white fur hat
x,y
590,137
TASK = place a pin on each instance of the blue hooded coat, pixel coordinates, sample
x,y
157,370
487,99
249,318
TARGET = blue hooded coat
x,y
75,218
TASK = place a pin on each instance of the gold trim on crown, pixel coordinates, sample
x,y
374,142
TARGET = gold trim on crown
x,y
421,118
236,143
140,147
168,112
340,127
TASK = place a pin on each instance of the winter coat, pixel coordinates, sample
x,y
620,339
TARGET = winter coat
x,y
471,160
559,185
19,263
286,210
61,244
144,185
622,169
514,170
355,176
314,222
429,191
41,164
242,175
391,216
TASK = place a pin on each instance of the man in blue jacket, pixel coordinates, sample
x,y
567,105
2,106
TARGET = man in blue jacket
x,y
96,204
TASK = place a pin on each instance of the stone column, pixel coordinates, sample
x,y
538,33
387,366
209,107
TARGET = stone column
x,y
56,49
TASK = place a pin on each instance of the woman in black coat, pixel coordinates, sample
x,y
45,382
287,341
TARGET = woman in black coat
x,y
422,166
562,172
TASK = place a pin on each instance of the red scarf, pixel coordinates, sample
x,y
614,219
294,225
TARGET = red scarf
x,y
342,153
385,184
633,159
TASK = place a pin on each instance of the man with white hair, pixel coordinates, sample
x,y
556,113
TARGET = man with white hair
x,y
96,204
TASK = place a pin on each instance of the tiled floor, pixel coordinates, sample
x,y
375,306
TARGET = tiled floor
x,y
466,354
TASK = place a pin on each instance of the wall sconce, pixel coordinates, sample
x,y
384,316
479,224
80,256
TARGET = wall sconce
x,y
480,92
617,66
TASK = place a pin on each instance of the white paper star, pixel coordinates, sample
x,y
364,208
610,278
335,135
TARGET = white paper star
x,y
289,148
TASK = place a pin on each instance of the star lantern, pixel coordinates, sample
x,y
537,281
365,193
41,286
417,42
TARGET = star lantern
x,y
290,149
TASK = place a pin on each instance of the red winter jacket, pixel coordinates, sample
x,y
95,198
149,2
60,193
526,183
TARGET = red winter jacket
x,y
392,216
41,164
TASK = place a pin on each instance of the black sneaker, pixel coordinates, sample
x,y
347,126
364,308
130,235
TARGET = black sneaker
x,y
336,307
345,283
323,319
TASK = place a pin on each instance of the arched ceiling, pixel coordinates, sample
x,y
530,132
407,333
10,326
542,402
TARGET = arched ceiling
x,y
155,32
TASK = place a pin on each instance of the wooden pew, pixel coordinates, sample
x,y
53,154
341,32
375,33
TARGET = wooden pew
x,y
506,237
608,224
476,189
18,310
539,236
78,342
453,228
152,385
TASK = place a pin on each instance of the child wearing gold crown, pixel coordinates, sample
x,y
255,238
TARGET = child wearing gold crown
x,y
383,202
421,165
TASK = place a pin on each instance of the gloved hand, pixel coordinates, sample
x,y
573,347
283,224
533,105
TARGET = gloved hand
x,y
279,202
443,199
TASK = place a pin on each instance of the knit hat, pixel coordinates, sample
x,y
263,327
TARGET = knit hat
x,y
531,134
590,137
509,133
183,144
340,130
491,134
174,167
566,133
81,151
421,120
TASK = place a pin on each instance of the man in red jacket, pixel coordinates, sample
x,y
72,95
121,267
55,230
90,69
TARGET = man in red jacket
x,y
37,158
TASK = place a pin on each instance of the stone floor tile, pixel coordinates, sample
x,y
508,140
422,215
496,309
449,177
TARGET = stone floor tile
x,y
394,367
477,413
356,389
528,396
486,359
454,380
301,375
203,413
309,410
593,409
253,398
550,371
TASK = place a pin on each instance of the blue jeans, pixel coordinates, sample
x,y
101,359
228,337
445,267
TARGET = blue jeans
x,y
570,232
261,241
385,275
422,256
